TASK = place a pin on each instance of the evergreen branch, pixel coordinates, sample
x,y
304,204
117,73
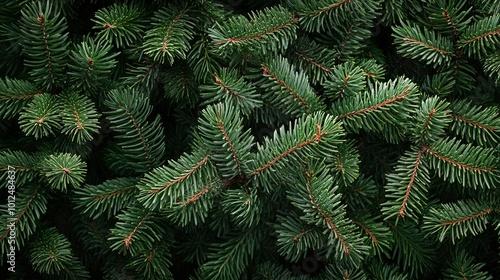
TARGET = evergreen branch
x,y
401,211
62,170
431,120
229,258
317,197
459,219
230,87
317,138
329,8
482,36
26,207
324,214
314,63
316,134
196,196
257,36
51,252
49,38
145,146
462,265
418,42
476,123
244,207
457,163
91,64
287,89
368,231
347,162
406,188
173,184
139,133
120,24
446,15
474,37
136,230
128,240
14,95
180,85
347,79
314,59
195,207
468,165
386,103
178,180
171,34
378,106
473,123
24,165
270,28
413,251
429,47
227,89
450,19
229,144
79,117
380,236
324,15
110,196
282,83
295,237
465,219
40,118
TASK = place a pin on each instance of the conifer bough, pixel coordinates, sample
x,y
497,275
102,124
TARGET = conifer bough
x,y
329,139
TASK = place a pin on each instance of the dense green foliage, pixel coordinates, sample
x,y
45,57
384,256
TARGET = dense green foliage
x,y
284,139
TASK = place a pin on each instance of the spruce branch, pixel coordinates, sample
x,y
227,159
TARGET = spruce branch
x,y
24,165
322,15
270,29
314,135
144,147
478,36
475,123
229,257
15,95
471,166
228,86
136,231
462,265
120,24
429,47
91,63
46,46
171,31
318,198
412,250
288,89
31,204
431,120
315,59
229,143
345,80
295,237
79,117
55,253
40,118
63,170
164,186
458,220
389,102
407,187
109,197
